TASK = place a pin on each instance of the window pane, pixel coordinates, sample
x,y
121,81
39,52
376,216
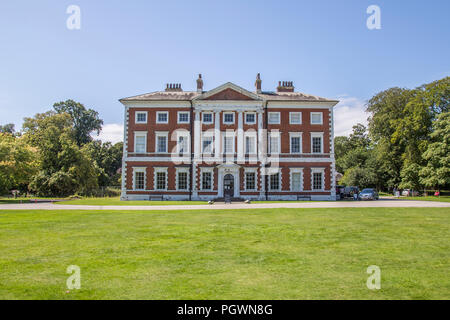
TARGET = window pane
x,y
207,117
296,118
275,181
295,144
160,180
249,145
274,117
183,117
316,118
274,145
229,117
142,117
182,180
162,117
250,181
250,118
317,181
182,144
162,144
140,144
207,145
296,181
228,145
317,144
206,180
139,181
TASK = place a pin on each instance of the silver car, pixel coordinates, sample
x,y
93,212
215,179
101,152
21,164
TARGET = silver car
x,y
369,194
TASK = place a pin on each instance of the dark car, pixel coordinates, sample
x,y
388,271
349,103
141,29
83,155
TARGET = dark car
x,y
369,194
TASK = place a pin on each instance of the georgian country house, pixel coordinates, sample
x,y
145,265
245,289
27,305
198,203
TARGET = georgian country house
x,y
228,142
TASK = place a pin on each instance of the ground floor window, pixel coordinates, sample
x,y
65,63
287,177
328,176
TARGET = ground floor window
x,y
250,180
139,180
206,180
182,180
160,180
317,181
296,181
275,181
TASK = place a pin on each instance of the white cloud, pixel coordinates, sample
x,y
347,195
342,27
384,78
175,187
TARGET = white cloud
x,y
348,112
112,132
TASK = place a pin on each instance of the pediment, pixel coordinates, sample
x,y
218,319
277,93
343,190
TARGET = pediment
x,y
228,91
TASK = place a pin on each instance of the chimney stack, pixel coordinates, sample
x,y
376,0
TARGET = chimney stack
x,y
173,87
200,84
258,83
285,86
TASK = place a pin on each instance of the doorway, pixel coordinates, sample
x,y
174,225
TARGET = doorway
x,y
228,185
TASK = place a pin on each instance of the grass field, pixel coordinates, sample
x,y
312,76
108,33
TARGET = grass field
x,y
233,254
429,198
116,202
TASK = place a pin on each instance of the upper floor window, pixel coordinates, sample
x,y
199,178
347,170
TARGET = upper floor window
x,y
141,117
317,142
295,118
140,142
274,143
250,145
182,145
183,117
274,118
228,117
207,117
228,144
316,117
208,144
296,142
250,118
162,117
161,142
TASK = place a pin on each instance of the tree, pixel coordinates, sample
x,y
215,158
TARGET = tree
x,y
436,173
7,128
65,167
85,121
108,158
18,162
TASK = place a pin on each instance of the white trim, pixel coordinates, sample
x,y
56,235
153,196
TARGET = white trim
x,y
228,123
162,112
315,113
291,172
317,135
139,169
295,135
161,134
275,134
136,121
206,169
318,170
141,134
212,117
182,170
251,170
183,112
245,117
290,118
159,170
175,158
228,85
271,113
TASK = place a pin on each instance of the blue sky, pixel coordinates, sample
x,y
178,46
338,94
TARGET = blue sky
x,y
131,47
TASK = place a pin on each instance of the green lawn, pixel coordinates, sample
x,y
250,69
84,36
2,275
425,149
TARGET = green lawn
x,y
229,254
429,198
116,202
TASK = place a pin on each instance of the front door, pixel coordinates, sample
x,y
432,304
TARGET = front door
x,y
228,185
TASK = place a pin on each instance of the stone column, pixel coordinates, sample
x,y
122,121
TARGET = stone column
x,y
240,137
217,136
262,150
197,150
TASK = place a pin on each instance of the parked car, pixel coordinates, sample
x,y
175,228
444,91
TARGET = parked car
x,y
410,193
369,194
349,192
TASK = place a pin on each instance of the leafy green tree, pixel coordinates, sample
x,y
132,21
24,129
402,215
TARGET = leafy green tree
x,y
108,158
359,176
85,121
18,162
436,173
7,128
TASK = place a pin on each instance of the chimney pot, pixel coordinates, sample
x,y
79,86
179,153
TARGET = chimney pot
x,y
199,84
258,83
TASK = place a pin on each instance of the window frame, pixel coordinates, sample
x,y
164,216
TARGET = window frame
x,y
231,136
161,134
207,136
177,178
155,178
253,136
322,172
317,135
139,170
162,112
268,118
290,117
211,172
203,118
293,171
315,113
277,135
224,117
296,135
142,134
250,113
251,171
279,181
136,116
183,112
